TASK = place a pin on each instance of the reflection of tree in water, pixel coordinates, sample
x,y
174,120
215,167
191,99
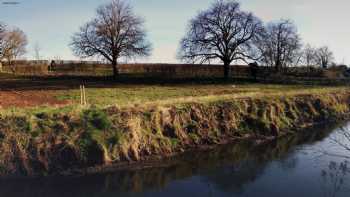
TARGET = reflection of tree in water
x,y
334,178
336,175
234,177
227,169
342,141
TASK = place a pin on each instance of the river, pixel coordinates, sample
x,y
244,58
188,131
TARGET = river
x,y
312,163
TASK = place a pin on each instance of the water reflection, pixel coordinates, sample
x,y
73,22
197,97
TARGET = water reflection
x,y
335,175
334,178
342,143
233,170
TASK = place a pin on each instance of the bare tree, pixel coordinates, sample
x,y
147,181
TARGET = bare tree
x,y
115,32
281,44
2,39
223,32
37,50
14,44
309,55
324,56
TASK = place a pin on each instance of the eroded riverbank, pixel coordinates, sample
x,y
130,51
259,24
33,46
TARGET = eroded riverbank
x,y
95,139
238,169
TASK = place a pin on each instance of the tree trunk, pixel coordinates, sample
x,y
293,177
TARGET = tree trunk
x,y
226,70
278,65
12,66
324,64
277,68
115,69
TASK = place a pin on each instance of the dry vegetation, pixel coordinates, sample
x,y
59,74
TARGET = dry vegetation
x,y
57,141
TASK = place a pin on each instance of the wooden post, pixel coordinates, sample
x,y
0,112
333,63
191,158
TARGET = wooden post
x,y
83,100
81,94
84,95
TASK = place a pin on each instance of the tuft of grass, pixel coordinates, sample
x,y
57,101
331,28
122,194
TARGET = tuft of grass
x,y
95,119
174,142
194,137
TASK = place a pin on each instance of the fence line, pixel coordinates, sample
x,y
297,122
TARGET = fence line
x,y
96,68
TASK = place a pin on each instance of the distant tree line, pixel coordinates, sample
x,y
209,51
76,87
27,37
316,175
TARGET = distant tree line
x,y
226,33
222,33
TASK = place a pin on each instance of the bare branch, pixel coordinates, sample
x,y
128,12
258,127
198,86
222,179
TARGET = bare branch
x,y
2,40
37,50
324,56
13,44
280,44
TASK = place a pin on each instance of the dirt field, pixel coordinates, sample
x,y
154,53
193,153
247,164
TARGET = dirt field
x,y
29,99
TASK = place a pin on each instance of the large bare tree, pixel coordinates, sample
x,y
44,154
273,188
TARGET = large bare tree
x,y
14,44
2,38
281,44
324,56
115,32
223,32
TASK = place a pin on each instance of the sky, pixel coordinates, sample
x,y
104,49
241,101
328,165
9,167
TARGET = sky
x,y
51,23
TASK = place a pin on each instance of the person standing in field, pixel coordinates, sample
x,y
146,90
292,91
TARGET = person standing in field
x,y
52,65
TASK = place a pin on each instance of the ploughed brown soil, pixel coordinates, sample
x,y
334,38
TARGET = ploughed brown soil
x,y
28,99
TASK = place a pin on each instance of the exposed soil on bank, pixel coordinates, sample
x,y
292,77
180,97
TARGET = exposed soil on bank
x,y
60,143
29,99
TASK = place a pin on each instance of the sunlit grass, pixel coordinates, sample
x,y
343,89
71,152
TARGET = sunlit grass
x,y
165,95
125,95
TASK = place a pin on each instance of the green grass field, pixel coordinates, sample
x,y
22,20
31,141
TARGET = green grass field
x,y
55,93
126,95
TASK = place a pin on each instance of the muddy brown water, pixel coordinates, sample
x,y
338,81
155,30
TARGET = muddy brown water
x,y
312,163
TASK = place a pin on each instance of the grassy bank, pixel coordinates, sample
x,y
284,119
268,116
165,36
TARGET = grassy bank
x,y
56,141
129,95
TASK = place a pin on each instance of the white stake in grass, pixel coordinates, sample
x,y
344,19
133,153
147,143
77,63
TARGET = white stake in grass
x,y
83,95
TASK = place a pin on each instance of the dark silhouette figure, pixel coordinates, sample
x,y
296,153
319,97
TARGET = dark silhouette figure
x,y
52,65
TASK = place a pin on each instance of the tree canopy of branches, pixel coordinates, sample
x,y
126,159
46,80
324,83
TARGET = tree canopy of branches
x,y
324,56
309,55
115,32
14,44
223,32
281,44
2,37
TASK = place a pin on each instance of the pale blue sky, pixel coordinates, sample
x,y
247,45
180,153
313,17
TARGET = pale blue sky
x,y
52,22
